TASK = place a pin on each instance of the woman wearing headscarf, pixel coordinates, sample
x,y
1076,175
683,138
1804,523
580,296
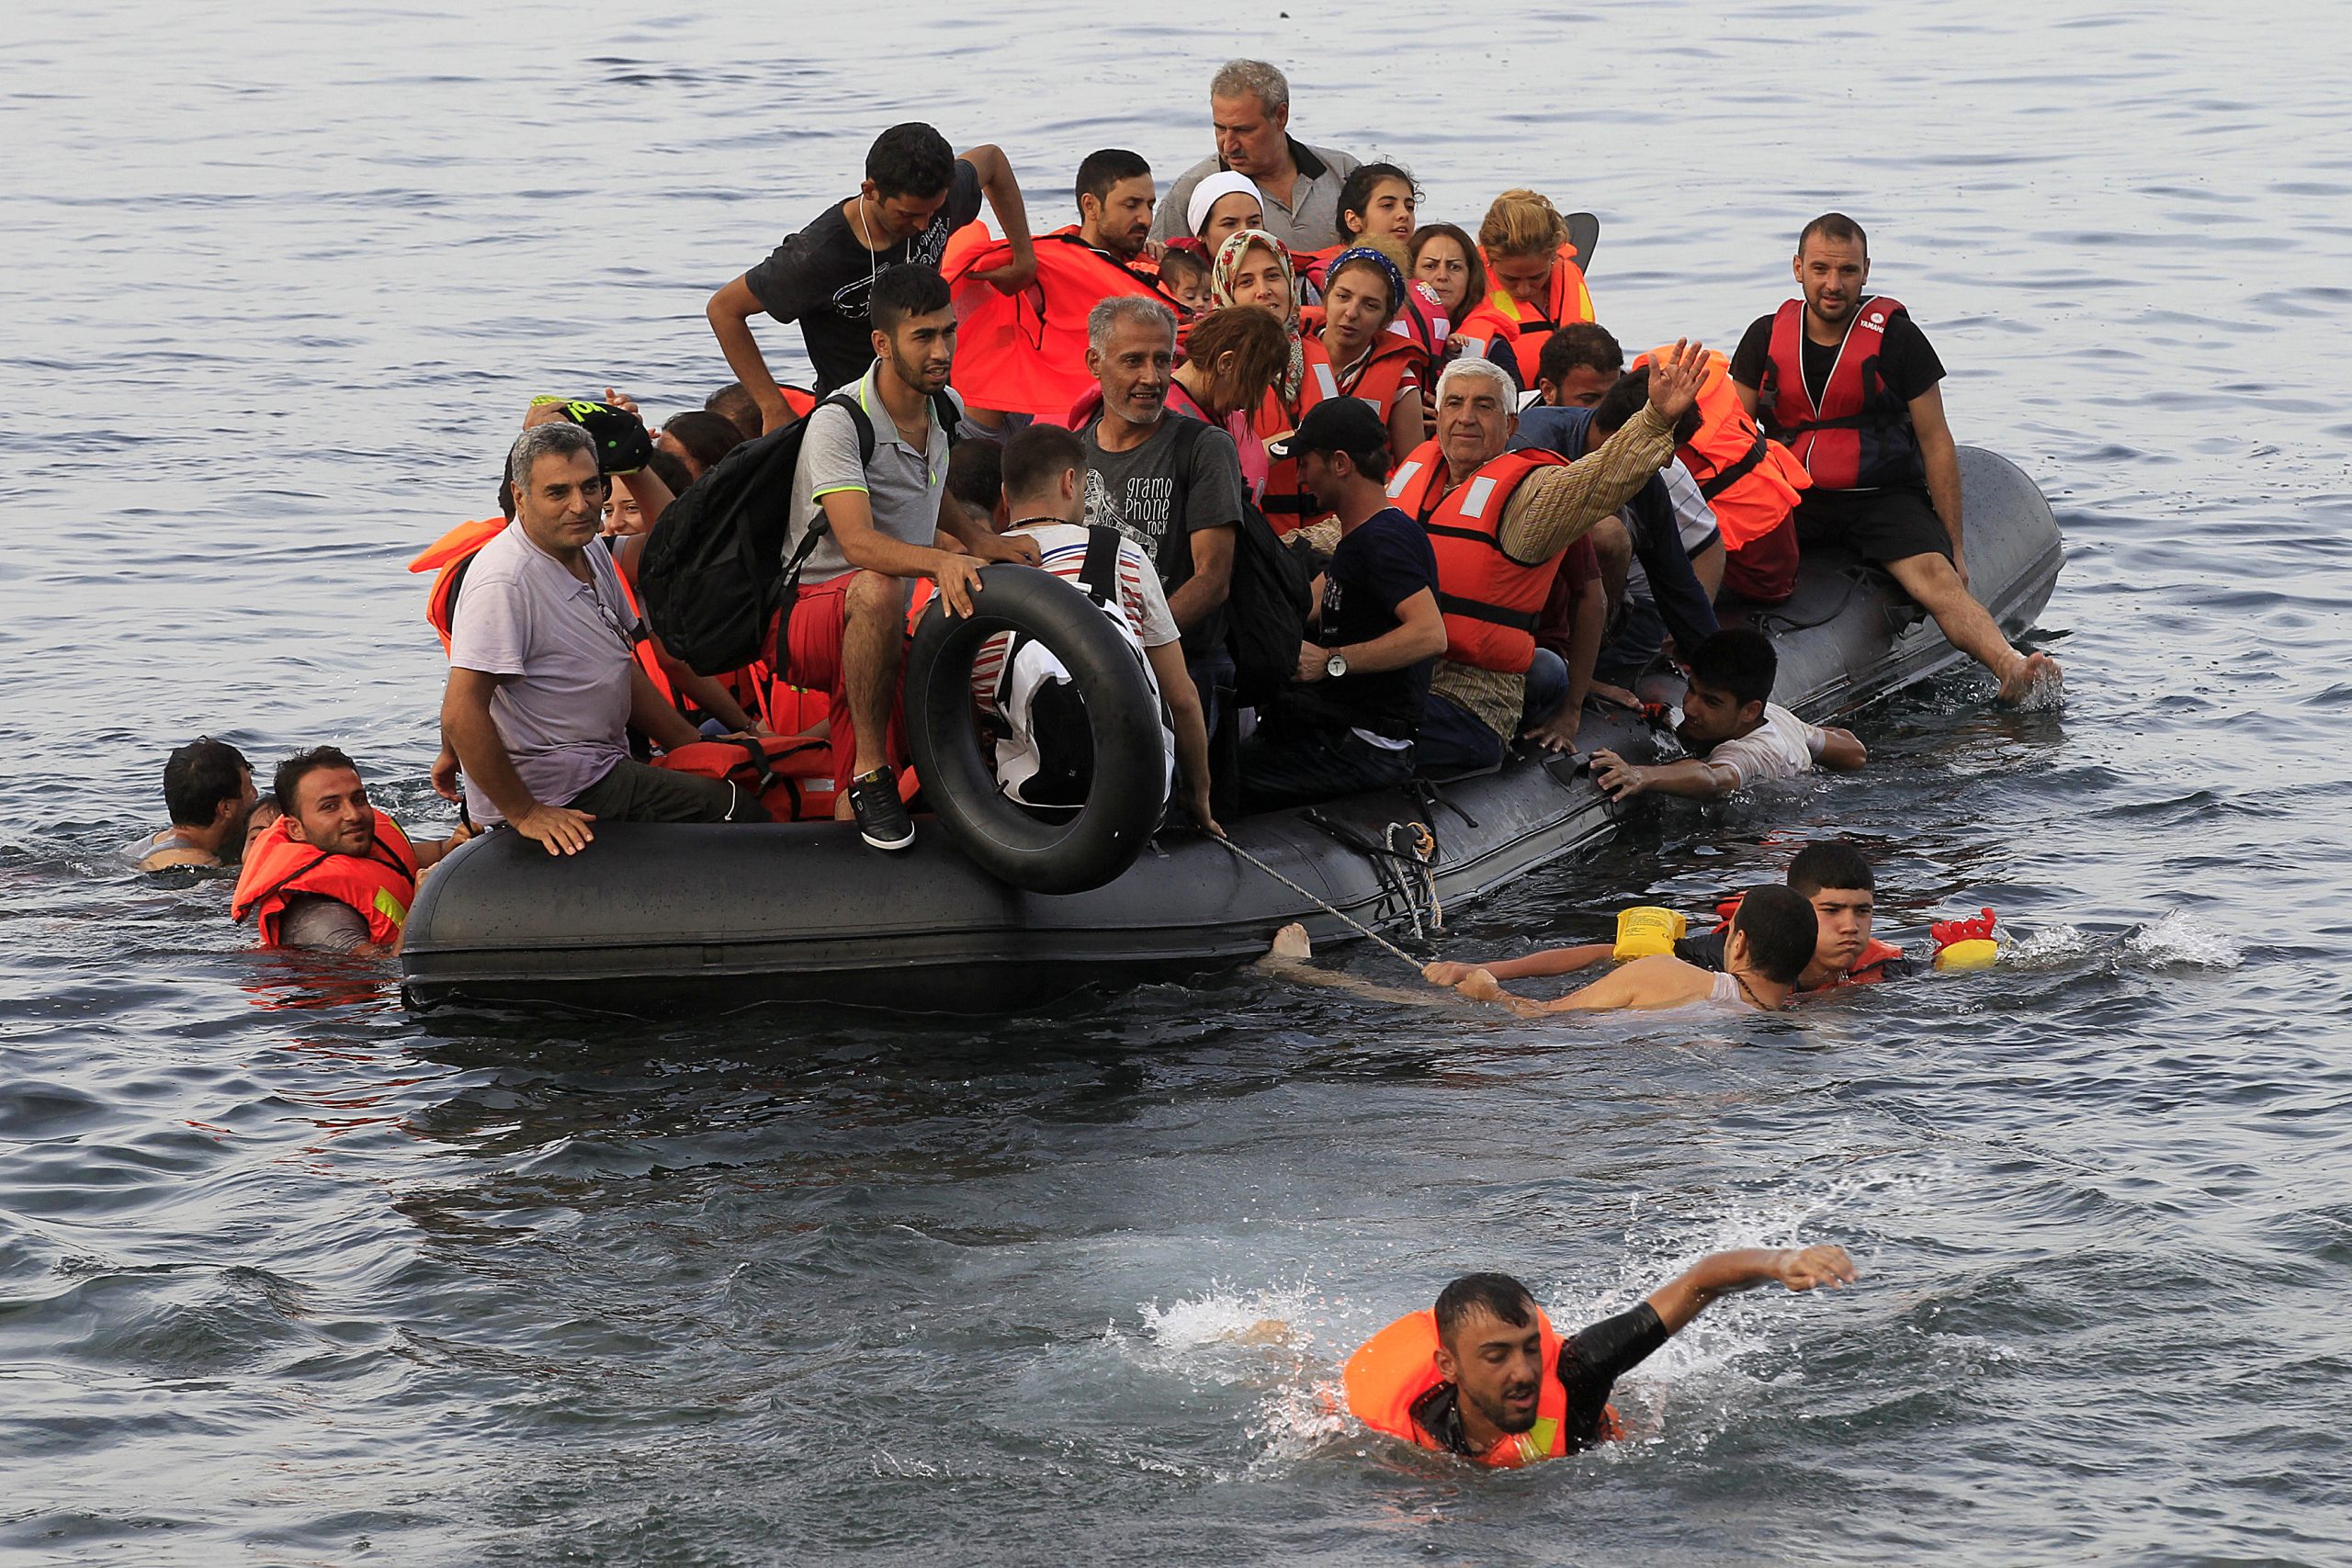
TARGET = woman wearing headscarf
x,y
1223,205
1349,352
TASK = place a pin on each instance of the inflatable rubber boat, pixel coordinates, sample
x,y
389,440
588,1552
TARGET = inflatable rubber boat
x,y
657,920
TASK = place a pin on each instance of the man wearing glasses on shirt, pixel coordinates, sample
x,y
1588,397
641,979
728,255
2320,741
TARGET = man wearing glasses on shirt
x,y
543,687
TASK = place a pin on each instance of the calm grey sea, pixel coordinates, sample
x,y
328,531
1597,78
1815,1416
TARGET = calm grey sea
x,y
285,1278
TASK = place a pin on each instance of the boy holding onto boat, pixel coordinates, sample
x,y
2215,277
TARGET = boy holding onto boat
x,y
1735,734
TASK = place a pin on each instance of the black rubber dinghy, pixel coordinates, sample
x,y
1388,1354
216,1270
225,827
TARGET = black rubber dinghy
x,y
663,920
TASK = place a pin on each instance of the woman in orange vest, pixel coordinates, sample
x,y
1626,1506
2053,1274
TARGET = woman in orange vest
x,y
1537,285
1349,352
1483,1376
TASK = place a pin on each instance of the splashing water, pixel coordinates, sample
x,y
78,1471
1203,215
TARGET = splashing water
x,y
2178,939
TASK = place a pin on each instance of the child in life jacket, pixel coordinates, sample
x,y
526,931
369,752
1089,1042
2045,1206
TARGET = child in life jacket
x,y
1484,1376
1833,876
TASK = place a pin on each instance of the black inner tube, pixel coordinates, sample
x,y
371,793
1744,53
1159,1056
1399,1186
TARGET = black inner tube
x,y
1102,838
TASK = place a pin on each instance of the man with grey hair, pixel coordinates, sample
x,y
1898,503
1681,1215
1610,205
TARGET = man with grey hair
x,y
1499,522
543,680
1299,184
1170,484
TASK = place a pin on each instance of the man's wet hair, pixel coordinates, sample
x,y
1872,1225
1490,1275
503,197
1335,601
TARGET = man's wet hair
x,y
1737,661
198,776
1833,863
1834,226
1498,1295
734,403
706,437
1100,170
910,160
1781,930
1624,400
1580,343
302,764
1037,455
976,474
907,290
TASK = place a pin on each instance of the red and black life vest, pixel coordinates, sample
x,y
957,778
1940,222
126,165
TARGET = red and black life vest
x,y
1859,437
1492,601
1377,382
381,884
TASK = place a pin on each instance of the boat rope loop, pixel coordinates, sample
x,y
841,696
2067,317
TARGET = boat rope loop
x,y
1407,875
1345,918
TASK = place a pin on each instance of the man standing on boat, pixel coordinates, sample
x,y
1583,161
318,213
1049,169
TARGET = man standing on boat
x,y
1298,185
1849,384
915,195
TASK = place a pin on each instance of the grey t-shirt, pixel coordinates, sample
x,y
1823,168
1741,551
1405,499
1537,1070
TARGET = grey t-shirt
x,y
328,925
1159,499
567,647
1309,223
901,484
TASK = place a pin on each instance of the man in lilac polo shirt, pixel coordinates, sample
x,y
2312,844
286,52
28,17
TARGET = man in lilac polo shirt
x,y
543,681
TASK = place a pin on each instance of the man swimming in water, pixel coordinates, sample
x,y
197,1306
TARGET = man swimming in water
x,y
1770,941
1833,877
1483,1376
209,791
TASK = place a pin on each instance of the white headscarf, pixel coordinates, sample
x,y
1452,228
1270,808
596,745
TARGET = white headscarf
x,y
1206,195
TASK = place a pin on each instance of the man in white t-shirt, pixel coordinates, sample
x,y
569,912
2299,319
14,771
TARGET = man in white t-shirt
x,y
1736,735
1045,496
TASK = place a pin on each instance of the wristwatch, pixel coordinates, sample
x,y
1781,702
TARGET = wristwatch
x,y
1337,665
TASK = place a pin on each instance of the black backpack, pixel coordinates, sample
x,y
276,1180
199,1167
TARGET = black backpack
x,y
1266,610
713,573
1268,600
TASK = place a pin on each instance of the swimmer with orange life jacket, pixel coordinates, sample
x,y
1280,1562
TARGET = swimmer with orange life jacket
x,y
1483,1376
1833,877
333,872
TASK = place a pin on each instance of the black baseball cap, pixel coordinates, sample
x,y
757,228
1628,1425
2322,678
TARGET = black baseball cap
x,y
1335,425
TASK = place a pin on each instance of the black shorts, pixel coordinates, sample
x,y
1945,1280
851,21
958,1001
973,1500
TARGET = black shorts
x,y
1890,524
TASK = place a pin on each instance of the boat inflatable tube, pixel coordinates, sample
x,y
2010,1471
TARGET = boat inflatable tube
x,y
1122,716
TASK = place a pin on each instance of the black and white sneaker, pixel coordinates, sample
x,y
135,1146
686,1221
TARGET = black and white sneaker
x,y
882,820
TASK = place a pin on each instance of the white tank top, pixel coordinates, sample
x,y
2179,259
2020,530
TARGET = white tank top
x,y
1727,990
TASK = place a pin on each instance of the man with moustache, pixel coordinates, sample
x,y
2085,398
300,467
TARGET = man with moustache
x,y
1851,385
1114,204
1172,484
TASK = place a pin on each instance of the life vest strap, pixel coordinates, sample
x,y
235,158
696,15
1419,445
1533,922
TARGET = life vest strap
x,y
1446,530
1494,615
1712,487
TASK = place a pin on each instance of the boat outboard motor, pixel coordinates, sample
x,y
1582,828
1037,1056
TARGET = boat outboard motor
x,y
1130,786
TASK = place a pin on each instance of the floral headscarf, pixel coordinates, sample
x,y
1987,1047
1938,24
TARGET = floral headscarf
x,y
1228,262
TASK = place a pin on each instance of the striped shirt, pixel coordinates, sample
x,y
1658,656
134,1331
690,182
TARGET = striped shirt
x,y
1063,546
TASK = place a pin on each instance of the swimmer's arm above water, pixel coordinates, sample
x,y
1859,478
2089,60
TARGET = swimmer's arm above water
x,y
1620,781
1629,987
1722,1274
1551,961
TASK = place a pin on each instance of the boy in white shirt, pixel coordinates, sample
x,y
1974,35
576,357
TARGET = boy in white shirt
x,y
1736,735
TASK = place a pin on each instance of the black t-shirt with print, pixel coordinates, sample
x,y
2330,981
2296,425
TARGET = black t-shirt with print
x,y
822,277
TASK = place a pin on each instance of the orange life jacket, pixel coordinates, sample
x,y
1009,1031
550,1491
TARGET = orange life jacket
x,y
1026,353
381,884
452,556
1391,1371
1751,480
1377,382
1503,314
1492,603
1861,436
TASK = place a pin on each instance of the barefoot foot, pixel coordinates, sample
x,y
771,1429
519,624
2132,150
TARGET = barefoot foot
x,y
1290,942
